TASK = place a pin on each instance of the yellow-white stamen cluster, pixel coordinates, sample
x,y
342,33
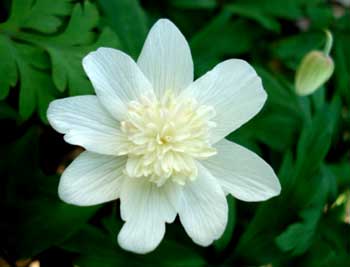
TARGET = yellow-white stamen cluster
x,y
164,137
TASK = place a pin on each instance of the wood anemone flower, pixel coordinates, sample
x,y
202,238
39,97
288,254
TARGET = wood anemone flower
x,y
154,138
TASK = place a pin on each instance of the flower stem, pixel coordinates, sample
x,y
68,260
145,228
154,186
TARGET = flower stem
x,y
329,42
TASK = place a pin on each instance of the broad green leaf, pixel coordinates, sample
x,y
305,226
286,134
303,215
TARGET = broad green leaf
x,y
253,12
128,20
8,66
272,217
281,97
291,49
313,145
314,202
194,4
287,241
318,98
321,17
268,127
342,172
222,243
7,112
239,38
98,248
36,219
256,244
342,65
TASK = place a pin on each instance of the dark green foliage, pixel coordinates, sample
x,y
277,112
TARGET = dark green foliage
x,y
305,139
41,52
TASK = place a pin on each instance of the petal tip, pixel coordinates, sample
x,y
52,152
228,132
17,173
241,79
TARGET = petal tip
x,y
129,243
164,21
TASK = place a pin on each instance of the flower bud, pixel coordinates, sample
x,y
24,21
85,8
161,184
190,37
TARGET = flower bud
x,y
314,70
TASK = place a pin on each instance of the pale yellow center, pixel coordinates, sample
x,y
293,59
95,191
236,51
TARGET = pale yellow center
x,y
163,138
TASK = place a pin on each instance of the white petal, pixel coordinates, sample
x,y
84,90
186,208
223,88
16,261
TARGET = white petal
x,y
140,236
92,179
242,173
86,123
235,91
116,78
166,58
145,208
203,208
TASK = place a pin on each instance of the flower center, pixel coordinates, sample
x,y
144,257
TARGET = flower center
x,y
164,137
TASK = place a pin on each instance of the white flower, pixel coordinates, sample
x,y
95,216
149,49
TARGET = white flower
x,y
155,139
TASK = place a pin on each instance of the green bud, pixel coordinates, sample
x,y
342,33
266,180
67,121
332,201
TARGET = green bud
x,y
315,69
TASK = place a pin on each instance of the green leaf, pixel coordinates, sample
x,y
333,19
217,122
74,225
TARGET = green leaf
x,y
318,98
281,97
253,12
65,56
36,219
321,17
342,172
40,15
288,9
291,50
24,41
7,112
194,4
342,65
239,38
68,48
97,248
287,241
316,196
131,26
222,243
36,88
313,145
268,127
8,66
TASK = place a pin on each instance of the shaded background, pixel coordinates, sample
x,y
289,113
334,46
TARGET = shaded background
x,y
305,139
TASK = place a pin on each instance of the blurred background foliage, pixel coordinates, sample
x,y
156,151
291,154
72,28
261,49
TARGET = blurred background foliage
x,y
305,139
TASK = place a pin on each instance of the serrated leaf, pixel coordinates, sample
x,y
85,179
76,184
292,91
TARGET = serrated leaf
x,y
66,48
36,88
67,67
39,15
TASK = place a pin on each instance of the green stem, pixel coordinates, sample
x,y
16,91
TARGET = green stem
x,y
329,42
